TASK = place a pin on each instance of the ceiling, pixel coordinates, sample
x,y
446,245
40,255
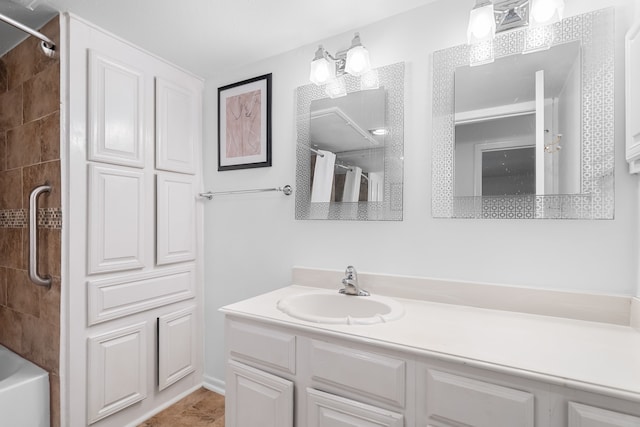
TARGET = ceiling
x,y
206,36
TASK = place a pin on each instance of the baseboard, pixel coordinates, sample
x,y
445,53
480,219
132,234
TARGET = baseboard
x,y
214,384
164,406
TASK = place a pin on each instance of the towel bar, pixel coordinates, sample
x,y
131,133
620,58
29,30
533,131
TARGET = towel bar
x,y
287,190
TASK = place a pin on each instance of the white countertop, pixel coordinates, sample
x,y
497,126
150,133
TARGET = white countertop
x,y
591,356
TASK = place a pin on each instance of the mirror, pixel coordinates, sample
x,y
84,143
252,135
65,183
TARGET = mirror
x,y
349,150
531,134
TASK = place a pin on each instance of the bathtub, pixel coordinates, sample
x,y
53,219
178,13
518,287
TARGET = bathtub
x,y
24,392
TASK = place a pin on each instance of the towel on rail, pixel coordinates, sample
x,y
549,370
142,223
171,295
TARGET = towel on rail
x,y
323,177
352,181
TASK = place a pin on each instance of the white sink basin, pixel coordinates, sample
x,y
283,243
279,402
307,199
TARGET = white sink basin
x,y
335,308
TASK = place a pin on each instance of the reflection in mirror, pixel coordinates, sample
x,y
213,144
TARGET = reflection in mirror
x,y
349,155
521,113
353,128
531,134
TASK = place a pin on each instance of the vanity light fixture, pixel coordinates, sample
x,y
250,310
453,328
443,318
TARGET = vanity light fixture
x,y
329,70
489,17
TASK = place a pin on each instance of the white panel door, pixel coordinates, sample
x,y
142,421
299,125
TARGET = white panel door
x,y
116,103
453,401
176,218
176,127
327,410
117,367
176,346
589,416
256,398
116,219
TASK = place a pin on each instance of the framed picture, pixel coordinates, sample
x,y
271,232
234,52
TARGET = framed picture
x,y
244,124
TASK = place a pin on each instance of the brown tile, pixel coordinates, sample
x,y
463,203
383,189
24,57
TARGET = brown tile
x,y
54,399
11,248
11,108
41,343
42,94
22,62
3,286
4,84
11,185
49,256
36,175
23,145
50,303
3,150
49,134
11,329
22,295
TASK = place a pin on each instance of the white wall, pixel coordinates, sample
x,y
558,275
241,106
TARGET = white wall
x,y
252,241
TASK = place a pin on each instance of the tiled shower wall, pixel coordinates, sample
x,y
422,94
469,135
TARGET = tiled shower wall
x,y
29,157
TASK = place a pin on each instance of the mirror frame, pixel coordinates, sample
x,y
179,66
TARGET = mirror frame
x,y
595,31
391,77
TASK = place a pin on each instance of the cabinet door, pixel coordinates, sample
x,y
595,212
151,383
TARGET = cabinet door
x,y
176,127
176,218
589,416
453,401
327,410
256,398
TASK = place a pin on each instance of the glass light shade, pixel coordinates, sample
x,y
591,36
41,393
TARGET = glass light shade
x,y
482,24
545,12
321,71
358,62
369,80
336,88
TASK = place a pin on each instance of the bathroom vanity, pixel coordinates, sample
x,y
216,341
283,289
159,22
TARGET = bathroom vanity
x,y
475,355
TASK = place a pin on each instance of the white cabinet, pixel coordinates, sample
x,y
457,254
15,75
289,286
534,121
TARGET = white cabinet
x,y
117,368
588,416
176,126
176,346
256,398
454,400
134,230
344,381
327,410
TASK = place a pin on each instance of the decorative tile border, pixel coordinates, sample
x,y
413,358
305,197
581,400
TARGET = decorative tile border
x,y
48,218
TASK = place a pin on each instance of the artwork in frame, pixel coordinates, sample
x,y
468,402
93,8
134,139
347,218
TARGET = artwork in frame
x,y
244,124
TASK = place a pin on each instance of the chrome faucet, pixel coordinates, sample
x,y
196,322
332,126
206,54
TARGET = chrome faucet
x,y
350,283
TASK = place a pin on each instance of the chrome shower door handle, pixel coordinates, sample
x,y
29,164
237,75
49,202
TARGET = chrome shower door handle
x,y
33,237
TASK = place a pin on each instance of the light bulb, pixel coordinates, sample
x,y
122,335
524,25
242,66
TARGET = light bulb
x,y
357,61
482,24
320,72
544,11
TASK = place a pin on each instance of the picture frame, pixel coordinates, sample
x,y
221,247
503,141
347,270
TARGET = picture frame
x,y
244,124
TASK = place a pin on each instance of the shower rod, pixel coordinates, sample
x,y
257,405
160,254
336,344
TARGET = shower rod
x,y
287,190
47,45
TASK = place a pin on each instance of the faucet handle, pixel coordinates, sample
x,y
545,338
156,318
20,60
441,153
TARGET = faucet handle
x,y
351,272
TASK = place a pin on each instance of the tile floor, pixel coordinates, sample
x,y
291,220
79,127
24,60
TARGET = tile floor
x,y
200,408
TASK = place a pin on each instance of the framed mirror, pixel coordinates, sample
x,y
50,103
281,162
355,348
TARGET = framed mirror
x,y
349,163
528,133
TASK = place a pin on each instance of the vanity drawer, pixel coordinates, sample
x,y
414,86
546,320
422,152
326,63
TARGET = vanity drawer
x,y
324,409
268,347
369,374
456,400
